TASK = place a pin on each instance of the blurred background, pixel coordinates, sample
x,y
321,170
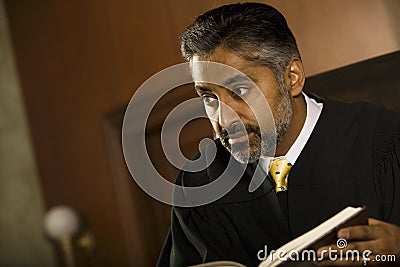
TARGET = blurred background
x,y
67,71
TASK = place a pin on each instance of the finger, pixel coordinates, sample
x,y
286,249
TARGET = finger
x,y
359,246
325,251
373,221
360,232
354,247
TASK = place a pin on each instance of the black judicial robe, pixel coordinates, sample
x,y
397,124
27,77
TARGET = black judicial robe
x,y
351,158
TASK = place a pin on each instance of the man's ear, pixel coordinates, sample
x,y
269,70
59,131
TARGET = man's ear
x,y
295,77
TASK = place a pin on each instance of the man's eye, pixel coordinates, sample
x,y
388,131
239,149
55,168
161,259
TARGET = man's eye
x,y
240,91
209,100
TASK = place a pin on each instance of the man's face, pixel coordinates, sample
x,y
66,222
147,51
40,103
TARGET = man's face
x,y
227,109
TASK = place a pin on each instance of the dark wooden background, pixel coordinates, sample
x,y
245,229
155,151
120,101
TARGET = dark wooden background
x,y
374,80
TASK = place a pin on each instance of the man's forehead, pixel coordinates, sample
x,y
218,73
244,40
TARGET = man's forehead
x,y
217,73
227,83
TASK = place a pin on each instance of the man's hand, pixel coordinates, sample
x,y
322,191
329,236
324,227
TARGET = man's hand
x,y
379,237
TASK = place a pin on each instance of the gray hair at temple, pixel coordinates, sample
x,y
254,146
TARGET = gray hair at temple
x,y
255,31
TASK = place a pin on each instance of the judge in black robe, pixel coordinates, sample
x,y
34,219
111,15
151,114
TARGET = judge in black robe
x,y
351,158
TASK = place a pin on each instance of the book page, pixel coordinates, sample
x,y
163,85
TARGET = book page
x,y
303,241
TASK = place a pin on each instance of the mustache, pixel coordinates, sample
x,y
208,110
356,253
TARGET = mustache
x,y
237,128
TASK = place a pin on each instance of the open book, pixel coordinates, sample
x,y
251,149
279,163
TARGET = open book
x,y
323,234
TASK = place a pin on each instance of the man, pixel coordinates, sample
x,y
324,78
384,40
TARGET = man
x,y
339,154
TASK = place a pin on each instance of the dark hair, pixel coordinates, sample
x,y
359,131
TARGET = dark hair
x,y
255,31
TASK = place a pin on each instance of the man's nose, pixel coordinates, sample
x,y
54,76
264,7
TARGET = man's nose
x,y
226,115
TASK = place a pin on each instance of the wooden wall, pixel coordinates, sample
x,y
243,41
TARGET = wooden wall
x,y
80,60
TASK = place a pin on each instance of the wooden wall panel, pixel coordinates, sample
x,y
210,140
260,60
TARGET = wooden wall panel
x,y
330,33
78,60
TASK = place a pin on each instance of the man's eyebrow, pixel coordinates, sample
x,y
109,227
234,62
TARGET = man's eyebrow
x,y
235,79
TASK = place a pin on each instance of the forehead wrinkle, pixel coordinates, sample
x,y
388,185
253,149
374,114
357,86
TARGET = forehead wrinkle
x,y
231,59
242,66
238,78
